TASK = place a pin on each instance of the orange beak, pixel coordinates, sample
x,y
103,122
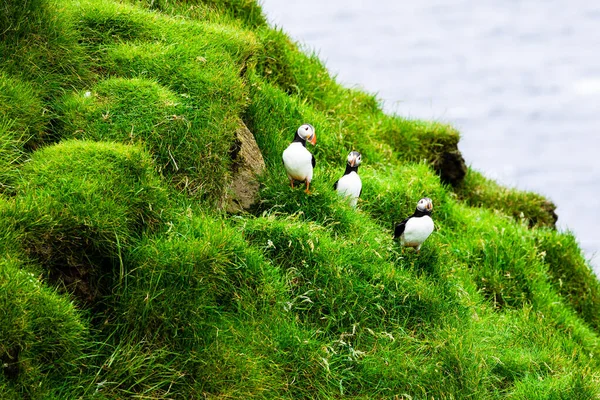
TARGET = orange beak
x,y
313,140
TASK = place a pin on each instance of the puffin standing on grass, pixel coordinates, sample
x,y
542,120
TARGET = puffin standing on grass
x,y
414,230
350,185
298,161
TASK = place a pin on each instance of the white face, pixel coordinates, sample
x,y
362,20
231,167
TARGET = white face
x,y
306,132
425,204
354,159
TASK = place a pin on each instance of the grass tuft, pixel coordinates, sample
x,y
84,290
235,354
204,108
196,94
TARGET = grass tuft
x,y
478,191
42,333
17,18
79,203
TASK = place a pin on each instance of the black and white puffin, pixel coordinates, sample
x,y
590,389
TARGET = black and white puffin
x,y
350,185
298,161
414,230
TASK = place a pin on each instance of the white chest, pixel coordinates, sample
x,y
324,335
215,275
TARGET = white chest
x,y
298,162
350,186
417,230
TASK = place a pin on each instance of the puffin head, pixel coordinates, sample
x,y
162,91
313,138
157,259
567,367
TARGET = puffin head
x,y
354,159
307,132
425,204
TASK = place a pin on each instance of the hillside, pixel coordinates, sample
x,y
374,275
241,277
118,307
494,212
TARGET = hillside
x,y
146,253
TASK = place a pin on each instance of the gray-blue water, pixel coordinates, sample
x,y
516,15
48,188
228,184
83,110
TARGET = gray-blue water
x,y
519,79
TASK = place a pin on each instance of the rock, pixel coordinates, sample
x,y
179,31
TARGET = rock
x,y
549,208
451,167
9,362
247,165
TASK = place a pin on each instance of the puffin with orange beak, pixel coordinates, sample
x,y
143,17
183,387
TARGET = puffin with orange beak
x,y
298,161
350,185
414,230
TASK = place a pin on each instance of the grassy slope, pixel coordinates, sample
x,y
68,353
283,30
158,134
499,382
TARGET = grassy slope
x,y
120,278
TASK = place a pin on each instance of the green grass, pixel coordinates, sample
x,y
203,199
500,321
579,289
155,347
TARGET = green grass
x,y
43,334
120,276
79,203
17,18
11,154
479,191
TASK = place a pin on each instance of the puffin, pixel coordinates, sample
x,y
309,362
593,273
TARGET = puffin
x,y
297,160
414,230
350,185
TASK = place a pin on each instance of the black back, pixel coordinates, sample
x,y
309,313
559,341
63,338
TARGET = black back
x,y
298,139
399,229
348,170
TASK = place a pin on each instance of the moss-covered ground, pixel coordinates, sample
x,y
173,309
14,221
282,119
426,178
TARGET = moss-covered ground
x,y
120,276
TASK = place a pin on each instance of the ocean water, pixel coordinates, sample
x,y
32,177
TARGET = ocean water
x,y
519,79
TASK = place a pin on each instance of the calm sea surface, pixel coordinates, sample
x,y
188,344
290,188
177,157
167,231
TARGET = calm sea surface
x,y
519,79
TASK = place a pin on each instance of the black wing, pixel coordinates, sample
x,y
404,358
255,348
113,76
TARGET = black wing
x,y
335,185
400,229
313,161
359,193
